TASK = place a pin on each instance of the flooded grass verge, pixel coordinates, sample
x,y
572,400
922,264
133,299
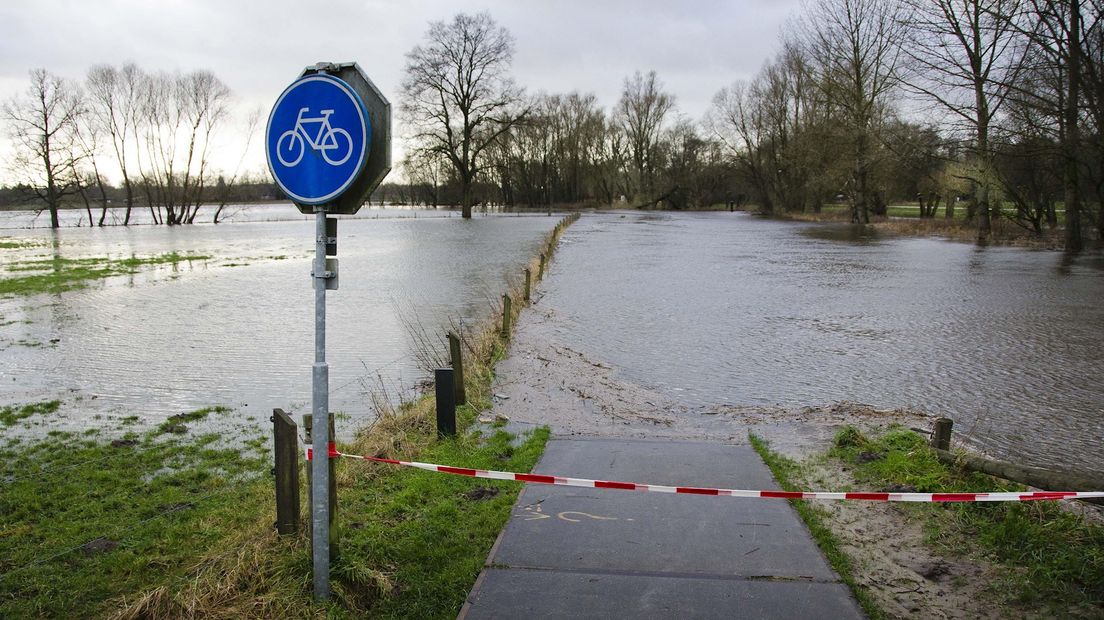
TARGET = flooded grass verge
x,y
13,413
993,559
84,520
163,523
56,274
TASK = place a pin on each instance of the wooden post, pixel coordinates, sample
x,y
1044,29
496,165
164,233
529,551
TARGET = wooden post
x,y
457,362
528,280
446,406
308,425
540,272
506,310
286,445
941,436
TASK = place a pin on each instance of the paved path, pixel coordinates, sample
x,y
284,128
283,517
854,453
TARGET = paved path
x,y
590,553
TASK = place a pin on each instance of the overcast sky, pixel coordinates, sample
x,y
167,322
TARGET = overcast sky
x,y
258,48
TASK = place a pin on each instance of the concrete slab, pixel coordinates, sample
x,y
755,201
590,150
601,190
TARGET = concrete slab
x,y
513,593
569,528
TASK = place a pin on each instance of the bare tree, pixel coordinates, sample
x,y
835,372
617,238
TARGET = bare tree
x,y
964,56
1060,60
1092,69
778,131
179,114
226,188
42,124
641,112
458,96
854,46
113,97
610,162
206,105
736,121
88,135
426,171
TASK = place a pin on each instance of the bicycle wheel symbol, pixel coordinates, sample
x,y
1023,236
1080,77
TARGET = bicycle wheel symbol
x,y
337,137
290,148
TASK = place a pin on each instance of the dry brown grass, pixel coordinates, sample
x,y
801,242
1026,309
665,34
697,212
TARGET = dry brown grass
x,y
249,578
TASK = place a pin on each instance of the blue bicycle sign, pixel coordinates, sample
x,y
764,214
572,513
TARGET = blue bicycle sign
x,y
317,139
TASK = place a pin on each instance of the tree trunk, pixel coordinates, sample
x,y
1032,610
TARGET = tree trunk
x,y
129,199
103,199
87,203
1073,133
1030,476
466,198
52,203
985,222
860,212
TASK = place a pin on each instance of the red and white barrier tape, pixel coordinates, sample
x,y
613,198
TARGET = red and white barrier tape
x,y
658,488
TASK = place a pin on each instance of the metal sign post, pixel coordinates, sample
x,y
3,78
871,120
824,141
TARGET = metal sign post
x,y
320,399
318,141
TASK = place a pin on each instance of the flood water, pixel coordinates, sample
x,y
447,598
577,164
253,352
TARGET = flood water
x,y
712,309
726,308
237,329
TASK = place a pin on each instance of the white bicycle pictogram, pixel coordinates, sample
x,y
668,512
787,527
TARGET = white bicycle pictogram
x,y
325,140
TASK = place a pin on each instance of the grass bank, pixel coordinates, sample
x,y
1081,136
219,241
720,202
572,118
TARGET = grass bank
x,y
1052,559
166,524
904,220
1045,559
57,275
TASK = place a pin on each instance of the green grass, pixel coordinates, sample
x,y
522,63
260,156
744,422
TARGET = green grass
x,y
7,243
787,472
84,521
430,533
1053,558
13,413
176,423
56,275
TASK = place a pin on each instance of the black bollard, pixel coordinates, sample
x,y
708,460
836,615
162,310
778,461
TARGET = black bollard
x,y
446,402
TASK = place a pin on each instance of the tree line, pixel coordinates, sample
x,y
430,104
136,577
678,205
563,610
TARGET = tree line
x,y
155,129
991,106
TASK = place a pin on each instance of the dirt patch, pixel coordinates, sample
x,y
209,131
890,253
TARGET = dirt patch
x,y
481,493
99,545
894,563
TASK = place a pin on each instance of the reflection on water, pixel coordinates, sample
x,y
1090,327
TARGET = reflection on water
x,y
237,329
729,309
